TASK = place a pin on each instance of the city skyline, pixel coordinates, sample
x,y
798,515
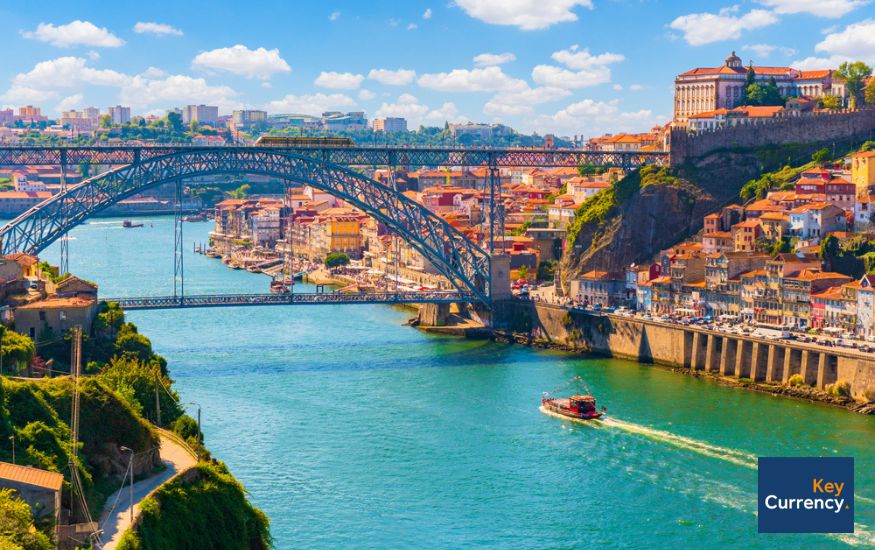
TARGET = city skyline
x,y
556,66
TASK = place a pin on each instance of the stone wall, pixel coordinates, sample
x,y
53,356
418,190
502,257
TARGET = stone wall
x,y
769,361
815,129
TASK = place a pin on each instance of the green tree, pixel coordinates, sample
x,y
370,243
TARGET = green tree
x,y
829,249
855,75
18,351
772,94
336,259
106,121
16,525
831,102
755,95
822,155
869,93
174,122
85,169
138,382
193,127
241,192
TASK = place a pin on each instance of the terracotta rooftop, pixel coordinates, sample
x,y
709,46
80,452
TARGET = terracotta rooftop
x,y
31,476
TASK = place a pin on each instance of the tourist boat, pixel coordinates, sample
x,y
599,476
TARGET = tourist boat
x,y
579,406
278,287
129,224
253,269
194,218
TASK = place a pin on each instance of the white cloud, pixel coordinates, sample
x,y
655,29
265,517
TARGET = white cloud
x,y
366,95
409,107
489,79
618,87
426,14
389,77
153,72
18,95
637,87
584,69
175,90
93,55
67,72
856,41
159,29
705,28
312,104
575,58
518,103
259,63
412,26
266,85
548,75
75,33
525,14
822,8
813,63
335,15
69,103
493,59
595,117
765,50
339,81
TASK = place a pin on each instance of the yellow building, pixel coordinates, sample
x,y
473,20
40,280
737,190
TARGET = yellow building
x,y
863,173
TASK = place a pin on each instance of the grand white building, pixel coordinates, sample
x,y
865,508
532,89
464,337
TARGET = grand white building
x,y
702,90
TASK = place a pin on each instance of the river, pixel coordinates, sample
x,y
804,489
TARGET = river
x,y
350,429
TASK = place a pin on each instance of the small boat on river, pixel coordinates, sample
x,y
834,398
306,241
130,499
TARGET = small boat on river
x,y
130,224
279,287
580,405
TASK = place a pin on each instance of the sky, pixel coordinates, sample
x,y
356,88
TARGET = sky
x,y
569,67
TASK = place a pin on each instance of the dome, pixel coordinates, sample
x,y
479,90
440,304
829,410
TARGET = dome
x,y
733,60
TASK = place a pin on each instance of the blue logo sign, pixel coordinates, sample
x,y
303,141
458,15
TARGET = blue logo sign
x,y
806,495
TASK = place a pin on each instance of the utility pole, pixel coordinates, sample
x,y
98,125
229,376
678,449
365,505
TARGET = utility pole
x,y
12,437
157,402
198,429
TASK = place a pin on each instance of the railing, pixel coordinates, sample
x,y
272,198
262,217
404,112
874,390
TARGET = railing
x,y
313,298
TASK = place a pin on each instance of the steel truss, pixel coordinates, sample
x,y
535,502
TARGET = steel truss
x,y
311,298
345,156
461,261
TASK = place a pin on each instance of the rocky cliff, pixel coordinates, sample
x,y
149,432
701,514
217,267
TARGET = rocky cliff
x,y
652,209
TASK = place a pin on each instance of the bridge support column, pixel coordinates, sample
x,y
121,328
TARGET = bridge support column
x,y
696,356
809,368
499,277
712,353
775,363
434,315
758,362
742,359
727,356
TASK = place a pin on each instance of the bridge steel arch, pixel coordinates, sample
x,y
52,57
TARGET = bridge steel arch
x,y
465,264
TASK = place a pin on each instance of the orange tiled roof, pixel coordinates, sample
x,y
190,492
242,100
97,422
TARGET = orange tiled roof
x,y
31,476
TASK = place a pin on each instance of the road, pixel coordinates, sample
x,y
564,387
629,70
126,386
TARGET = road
x,y
175,457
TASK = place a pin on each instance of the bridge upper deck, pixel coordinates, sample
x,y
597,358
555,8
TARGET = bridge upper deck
x,y
347,156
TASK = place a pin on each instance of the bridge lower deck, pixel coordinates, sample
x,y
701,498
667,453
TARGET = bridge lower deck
x,y
303,298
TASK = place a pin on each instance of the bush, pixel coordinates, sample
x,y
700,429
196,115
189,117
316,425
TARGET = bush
x,y
795,381
839,389
210,512
16,525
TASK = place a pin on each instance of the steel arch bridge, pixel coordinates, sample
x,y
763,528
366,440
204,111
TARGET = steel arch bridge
x,y
461,261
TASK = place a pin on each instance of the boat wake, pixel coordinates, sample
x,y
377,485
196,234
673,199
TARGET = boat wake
x,y
739,458
730,455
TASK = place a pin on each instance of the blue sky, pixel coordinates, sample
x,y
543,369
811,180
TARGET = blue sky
x,y
563,66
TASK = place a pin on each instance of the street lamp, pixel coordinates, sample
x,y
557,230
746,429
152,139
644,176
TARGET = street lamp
x,y
12,437
198,428
131,468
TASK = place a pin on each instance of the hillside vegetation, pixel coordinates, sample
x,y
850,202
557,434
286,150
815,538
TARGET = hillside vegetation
x,y
209,512
653,208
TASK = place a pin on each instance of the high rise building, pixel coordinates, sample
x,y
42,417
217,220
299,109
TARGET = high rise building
x,y
390,125
247,117
29,113
202,114
92,114
120,114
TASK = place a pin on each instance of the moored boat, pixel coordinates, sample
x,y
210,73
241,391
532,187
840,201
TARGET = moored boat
x,y
130,224
278,287
579,406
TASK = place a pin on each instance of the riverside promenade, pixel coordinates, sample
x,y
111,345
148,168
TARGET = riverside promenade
x,y
699,349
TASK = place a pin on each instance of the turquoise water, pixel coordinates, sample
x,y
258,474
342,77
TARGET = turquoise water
x,y
349,429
